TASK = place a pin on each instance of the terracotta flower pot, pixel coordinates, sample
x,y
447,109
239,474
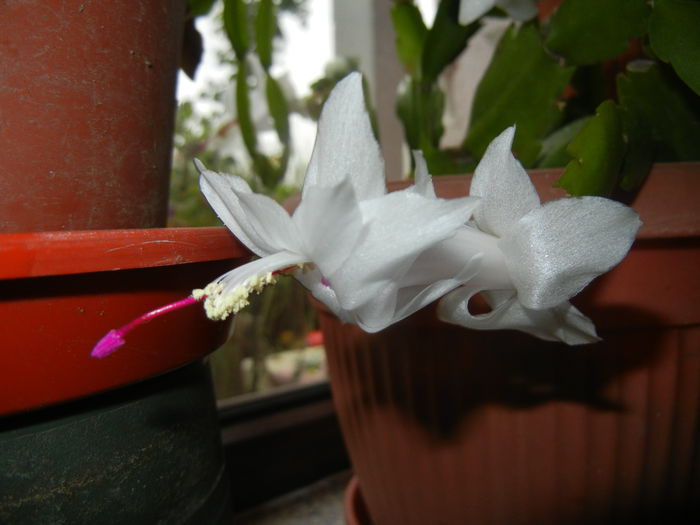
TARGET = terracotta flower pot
x,y
87,100
133,436
451,426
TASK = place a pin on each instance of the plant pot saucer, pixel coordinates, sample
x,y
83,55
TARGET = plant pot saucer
x,y
62,291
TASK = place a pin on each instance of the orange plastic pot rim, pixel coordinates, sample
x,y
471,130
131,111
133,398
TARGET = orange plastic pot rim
x,y
71,252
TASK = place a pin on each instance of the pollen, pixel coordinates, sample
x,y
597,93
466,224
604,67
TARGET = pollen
x,y
219,302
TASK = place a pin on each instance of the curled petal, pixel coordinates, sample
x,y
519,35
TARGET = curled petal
x,y
258,221
563,323
345,144
557,249
504,187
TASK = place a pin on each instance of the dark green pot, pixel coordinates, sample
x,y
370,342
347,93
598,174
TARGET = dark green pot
x,y
148,453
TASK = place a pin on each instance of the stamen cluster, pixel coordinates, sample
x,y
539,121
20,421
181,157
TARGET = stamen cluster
x,y
219,303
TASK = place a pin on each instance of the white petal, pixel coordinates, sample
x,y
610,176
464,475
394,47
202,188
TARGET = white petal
x,y
313,280
267,223
331,224
423,181
562,323
504,187
470,10
411,299
345,144
218,189
258,221
230,292
406,223
393,301
556,250
267,264
518,9
402,225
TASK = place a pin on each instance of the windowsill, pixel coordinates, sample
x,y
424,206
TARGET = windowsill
x,y
279,444
320,502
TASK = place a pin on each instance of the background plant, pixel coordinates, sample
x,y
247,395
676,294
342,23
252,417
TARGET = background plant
x,y
602,88
251,104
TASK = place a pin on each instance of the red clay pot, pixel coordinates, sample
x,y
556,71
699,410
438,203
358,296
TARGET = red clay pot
x,y
60,292
451,426
87,100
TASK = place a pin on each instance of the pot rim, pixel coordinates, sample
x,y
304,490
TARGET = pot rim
x,y
667,203
40,254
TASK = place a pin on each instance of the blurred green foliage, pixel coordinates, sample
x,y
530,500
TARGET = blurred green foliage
x,y
280,317
603,88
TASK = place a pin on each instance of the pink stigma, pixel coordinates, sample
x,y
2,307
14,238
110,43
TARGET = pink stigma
x,y
113,339
325,282
108,344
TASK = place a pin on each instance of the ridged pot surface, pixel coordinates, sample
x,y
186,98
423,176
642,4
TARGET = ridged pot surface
x,y
450,426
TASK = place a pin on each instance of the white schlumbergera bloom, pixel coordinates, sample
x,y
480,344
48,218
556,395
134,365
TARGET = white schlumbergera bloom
x,y
375,257
355,247
470,10
545,254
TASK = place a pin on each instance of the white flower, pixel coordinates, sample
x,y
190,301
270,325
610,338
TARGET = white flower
x,y
361,247
542,254
470,10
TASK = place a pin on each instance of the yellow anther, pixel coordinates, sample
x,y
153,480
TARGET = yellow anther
x,y
219,304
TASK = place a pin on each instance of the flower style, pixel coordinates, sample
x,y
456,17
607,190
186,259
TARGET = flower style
x,y
470,10
355,247
547,253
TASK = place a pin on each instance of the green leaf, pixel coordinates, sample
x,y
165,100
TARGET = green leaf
x,y
522,86
410,35
420,106
589,31
199,7
554,152
598,151
407,111
266,171
656,101
278,107
674,33
236,26
448,162
265,28
445,40
245,120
